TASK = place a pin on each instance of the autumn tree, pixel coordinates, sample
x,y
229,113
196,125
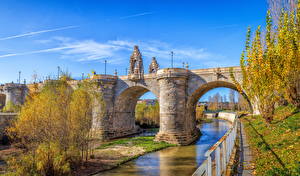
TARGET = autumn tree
x,y
215,102
56,124
232,99
276,7
271,65
288,54
147,114
258,68
242,103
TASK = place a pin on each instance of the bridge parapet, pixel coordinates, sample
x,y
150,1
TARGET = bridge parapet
x,y
172,73
104,77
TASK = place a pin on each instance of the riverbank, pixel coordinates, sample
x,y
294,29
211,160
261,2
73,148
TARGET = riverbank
x,y
276,146
112,154
105,157
179,160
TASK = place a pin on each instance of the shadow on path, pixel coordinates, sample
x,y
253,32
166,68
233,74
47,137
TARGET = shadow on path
x,y
268,147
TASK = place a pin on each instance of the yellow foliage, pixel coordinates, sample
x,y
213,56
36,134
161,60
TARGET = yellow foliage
x,y
147,115
271,66
55,125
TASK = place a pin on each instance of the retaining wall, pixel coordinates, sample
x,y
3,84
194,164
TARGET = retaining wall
x,y
230,116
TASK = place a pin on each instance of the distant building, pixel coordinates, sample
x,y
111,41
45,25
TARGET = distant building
x,y
202,103
148,101
221,105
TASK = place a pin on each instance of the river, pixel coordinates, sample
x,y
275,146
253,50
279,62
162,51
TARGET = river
x,y
182,160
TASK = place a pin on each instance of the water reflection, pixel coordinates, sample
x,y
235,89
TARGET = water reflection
x,y
175,160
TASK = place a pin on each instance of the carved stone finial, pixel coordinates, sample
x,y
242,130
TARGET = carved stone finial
x,y
153,67
136,69
187,66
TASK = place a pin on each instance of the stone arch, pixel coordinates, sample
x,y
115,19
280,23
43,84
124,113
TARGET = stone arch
x,y
125,103
204,88
2,100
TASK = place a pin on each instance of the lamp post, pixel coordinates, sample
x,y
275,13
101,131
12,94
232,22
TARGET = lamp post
x,y
105,66
19,77
172,54
58,72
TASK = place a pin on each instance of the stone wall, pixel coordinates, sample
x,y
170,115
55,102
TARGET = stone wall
x,y
229,116
14,93
210,115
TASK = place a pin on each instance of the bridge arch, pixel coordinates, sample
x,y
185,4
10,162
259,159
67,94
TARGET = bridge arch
x,y
125,103
204,88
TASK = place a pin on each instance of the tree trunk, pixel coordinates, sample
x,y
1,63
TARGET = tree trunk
x,y
267,110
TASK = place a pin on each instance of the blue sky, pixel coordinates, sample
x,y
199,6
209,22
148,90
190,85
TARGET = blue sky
x,y
78,35
221,90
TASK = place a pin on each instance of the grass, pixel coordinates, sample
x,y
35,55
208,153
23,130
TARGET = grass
x,y
276,146
147,143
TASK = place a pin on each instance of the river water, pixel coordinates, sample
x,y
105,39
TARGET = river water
x,y
182,160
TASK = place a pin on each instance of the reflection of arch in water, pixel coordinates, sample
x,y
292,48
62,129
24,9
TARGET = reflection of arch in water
x,y
2,100
198,93
124,118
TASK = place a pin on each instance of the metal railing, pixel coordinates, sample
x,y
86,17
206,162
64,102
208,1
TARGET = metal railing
x,y
219,154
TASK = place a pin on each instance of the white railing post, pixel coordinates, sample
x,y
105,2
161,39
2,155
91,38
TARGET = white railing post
x,y
208,166
218,162
227,149
230,143
224,160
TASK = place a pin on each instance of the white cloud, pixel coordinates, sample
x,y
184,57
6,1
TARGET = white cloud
x,y
136,15
35,52
37,32
118,51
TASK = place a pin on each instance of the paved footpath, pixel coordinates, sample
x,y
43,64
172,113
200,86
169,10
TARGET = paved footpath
x,y
245,167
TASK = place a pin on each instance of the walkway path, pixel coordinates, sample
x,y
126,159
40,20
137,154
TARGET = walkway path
x,y
245,167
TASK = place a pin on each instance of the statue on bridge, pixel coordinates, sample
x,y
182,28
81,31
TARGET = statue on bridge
x,y
136,69
153,67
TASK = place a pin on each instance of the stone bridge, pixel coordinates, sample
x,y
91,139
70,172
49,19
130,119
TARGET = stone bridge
x,y
177,90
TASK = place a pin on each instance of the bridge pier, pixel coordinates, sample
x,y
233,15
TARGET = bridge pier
x,y
103,112
175,125
14,93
